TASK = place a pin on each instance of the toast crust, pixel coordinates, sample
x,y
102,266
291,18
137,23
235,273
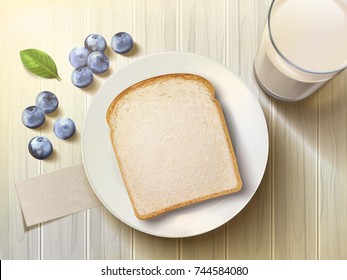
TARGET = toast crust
x,y
112,109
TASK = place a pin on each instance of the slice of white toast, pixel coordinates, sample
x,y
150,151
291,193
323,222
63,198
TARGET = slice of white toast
x,y
172,144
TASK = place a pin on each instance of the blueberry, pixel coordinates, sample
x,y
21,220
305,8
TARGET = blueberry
x,y
82,77
78,57
98,62
33,117
40,147
122,42
95,42
47,101
64,128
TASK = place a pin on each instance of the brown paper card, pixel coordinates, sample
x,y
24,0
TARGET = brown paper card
x,y
55,194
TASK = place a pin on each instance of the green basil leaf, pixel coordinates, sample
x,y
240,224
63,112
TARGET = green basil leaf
x,y
39,63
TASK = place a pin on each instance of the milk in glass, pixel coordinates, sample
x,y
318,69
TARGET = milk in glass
x,y
304,44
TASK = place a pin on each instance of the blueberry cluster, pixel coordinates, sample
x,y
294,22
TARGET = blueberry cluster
x,y
92,59
47,102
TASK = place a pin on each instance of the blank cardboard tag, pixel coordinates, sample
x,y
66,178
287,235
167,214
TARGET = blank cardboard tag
x,y
55,194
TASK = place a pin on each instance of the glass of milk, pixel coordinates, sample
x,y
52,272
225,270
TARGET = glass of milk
x,y
304,44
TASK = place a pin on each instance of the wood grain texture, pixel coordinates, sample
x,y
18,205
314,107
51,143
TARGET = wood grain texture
x,y
4,154
295,196
108,238
299,210
63,238
207,246
332,196
22,243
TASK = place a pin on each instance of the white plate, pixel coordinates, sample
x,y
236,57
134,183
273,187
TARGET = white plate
x,y
247,128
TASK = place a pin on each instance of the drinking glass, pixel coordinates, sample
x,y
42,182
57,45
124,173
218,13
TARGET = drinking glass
x,y
304,44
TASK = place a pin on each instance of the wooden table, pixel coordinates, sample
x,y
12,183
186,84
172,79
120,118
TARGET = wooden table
x,y
300,208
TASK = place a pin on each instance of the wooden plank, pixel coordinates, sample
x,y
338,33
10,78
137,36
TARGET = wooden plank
x,y
332,196
62,238
155,31
23,243
4,146
203,29
249,233
148,247
17,92
295,179
108,238
207,246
